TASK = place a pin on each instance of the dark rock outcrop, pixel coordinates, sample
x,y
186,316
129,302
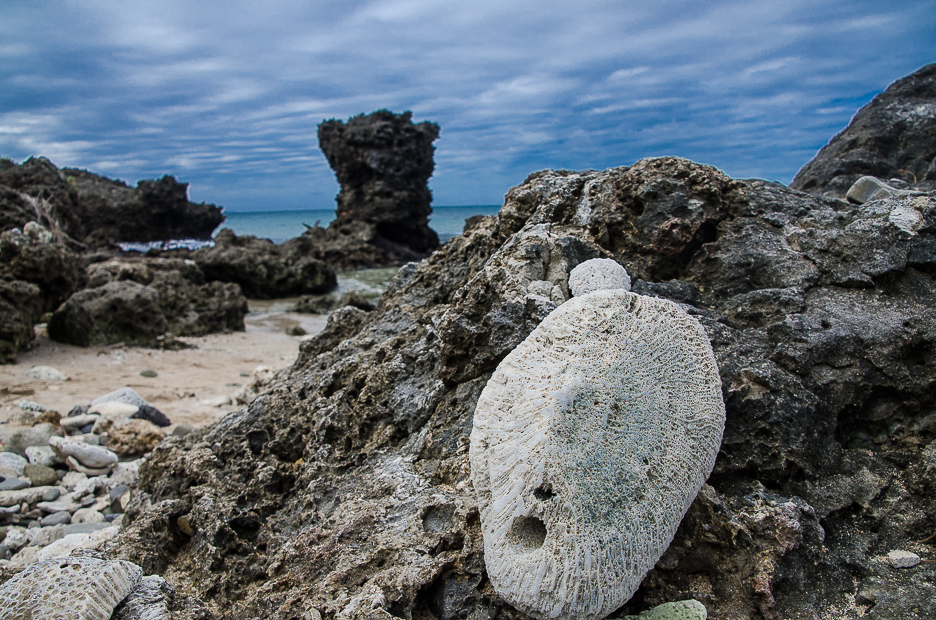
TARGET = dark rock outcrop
x,y
155,210
894,136
137,300
263,269
97,211
383,162
344,489
35,277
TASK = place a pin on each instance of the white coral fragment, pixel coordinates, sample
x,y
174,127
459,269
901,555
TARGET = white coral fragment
x,y
598,274
590,441
68,589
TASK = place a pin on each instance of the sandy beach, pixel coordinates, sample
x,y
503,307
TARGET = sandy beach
x,y
188,382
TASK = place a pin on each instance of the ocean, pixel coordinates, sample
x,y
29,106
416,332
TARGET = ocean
x,y
282,225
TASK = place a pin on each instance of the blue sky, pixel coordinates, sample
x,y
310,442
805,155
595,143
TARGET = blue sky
x,y
227,95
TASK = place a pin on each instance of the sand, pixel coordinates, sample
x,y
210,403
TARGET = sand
x,y
186,382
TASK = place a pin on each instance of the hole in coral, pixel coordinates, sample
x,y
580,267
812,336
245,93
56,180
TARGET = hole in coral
x,y
544,492
527,534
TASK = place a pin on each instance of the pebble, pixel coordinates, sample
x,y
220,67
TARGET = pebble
x,y
46,373
114,410
51,495
87,515
903,559
149,372
13,461
181,430
40,475
123,395
73,424
38,435
23,496
92,457
28,405
14,484
60,505
43,455
218,401
15,539
90,471
56,518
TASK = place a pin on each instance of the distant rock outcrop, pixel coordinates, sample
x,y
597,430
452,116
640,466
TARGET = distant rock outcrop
x,y
383,162
894,136
97,211
263,269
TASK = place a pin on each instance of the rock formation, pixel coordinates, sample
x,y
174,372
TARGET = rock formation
x,y
97,211
36,275
894,136
383,162
137,300
263,269
344,489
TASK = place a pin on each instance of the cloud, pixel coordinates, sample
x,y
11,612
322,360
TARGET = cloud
x,y
228,94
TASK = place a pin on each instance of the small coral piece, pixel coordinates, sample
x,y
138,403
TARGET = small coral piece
x,y
590,441
68,589
678,610
598,274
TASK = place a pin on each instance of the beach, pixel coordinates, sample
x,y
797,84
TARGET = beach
x,y
189,383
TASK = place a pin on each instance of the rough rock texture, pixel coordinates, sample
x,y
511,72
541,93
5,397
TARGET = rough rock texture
x,y
345,489
35,277
894,136
136,300
98,211
263,269
383,162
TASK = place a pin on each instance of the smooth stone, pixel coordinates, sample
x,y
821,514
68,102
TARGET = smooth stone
x,y
23,496
87,502
76,423
114,409
70,542
152,414
78,410
52,494
149,373
122,395
92,457
46,373
10,510
40,475
43,455
182,430
13,461
84,528
869,188
74,464
118,490
56,518
61,505
903,559
15,484
87,515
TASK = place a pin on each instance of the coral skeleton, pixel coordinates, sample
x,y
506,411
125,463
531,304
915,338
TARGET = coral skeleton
x,y
590,442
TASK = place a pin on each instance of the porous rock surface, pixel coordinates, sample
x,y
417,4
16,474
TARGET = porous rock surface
x,y
137,300
588,445
344,489
894,136
263,269
383,162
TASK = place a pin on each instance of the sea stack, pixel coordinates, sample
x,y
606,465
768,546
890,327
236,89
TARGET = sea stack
x,y
383,162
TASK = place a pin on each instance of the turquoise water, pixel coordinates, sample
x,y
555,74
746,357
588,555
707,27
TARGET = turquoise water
x,y
282,225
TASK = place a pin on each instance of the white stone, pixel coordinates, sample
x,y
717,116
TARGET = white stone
x,y
218,401
94,457
75,423
25,557
123,395
46,373
43,455
88,515
37,232
113,409
903,559
15,539
13,461
590,442
72,479
90,471
598,274
23,496
677,610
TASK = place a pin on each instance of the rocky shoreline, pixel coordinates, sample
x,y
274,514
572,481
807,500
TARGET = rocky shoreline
x,y
343,489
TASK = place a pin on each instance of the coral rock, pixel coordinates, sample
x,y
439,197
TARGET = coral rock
x,y
590,441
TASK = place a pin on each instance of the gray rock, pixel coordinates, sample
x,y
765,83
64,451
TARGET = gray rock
x,y
867,189
123,395
66,504
181,430
56,518
13,461
38,435
149,600
121,311
903,559
92,457
148,373
51,495
15,484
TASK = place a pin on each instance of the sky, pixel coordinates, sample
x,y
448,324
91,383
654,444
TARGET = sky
x,y
227,95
